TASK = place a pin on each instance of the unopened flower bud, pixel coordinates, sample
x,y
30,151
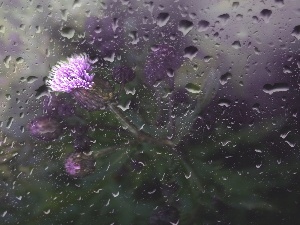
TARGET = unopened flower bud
x,y
123,74
45,128
79,164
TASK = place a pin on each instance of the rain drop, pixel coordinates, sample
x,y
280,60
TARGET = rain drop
x,y
236,45
266,14
185,26
279,3
47,212
188,176
296,32
6,61
193,88
235,5
190,52
2,29
277,87
202,25
116,195
224,18
9,122
19,60
67,32
225,77
3,214
162,19
31,79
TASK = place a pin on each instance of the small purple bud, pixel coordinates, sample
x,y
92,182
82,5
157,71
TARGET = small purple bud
x,y
45,128
79,164
123,74
164,215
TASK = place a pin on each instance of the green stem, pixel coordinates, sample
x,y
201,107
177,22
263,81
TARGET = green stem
x,y
109,150
142,136
123,120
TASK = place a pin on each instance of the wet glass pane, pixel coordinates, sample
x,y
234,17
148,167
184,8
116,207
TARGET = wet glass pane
x,y
136,112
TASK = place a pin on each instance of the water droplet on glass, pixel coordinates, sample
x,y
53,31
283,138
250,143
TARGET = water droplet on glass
x,y
185,26
8,96
2,29
107,202
116,195
67,32
277,87
9,122
291,144
4,213
170,72
193,88
162,19
224,102
110,58
47,212
225,77
188,176
202,25
64,14
224,18
31,79
236,45
190,52
296,32
6,61
126,107
258,165
41,91
19,60
235,5
207,58
134,36
279,3
76,4
285,134
151,192
266,14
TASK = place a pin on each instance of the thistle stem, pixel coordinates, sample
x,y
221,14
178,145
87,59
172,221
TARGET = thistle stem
x,y
123,120
142,136
108,150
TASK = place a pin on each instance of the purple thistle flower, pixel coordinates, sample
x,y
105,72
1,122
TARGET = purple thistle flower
x,y
71,74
